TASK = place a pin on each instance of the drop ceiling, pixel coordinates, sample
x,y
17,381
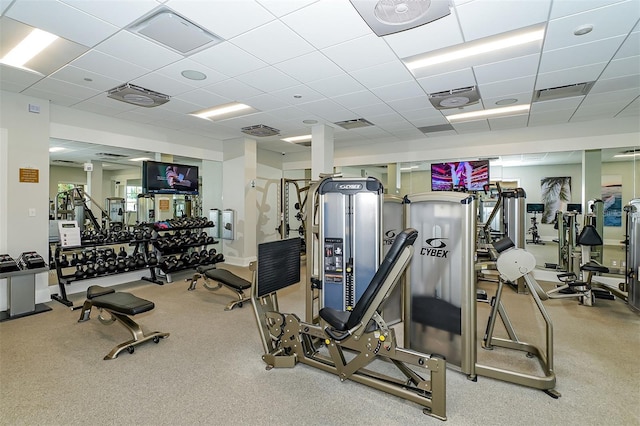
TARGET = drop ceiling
x,y
318,60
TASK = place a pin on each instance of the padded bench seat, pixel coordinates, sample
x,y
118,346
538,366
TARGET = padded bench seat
x,y
120,305
225,278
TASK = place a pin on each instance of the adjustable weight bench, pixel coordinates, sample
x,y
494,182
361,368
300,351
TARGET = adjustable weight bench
x,y
224,278
120,305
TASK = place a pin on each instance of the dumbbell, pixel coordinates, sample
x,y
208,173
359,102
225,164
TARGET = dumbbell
x,y
153,259
90,270
74,259
130,263
140,260
79,273
63,262
121,265
111,265
122,252
101,267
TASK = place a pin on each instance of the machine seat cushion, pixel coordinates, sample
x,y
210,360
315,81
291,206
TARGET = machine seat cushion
x,y
228,278
336,319
594,267
123,303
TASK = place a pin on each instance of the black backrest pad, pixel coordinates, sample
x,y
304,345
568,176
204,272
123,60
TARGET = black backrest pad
x,y
404,239
589,236
503,244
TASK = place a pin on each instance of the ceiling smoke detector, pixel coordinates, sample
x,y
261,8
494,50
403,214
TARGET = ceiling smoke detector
x,y
260,131
455,98
137,95
354,124
391,16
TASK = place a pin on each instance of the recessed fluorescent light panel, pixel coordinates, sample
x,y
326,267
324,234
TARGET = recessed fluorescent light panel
x,y
296,139
494,112
28,48
223,112
140,159
56,149
490,49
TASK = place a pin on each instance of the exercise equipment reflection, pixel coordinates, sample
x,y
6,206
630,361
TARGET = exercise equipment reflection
x,y
362,332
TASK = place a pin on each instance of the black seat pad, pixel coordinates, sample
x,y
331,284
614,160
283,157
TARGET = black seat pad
x,y
123,303
335,318
593,267
228,278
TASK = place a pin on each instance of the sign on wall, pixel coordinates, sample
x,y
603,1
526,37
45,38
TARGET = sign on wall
x,y
29,175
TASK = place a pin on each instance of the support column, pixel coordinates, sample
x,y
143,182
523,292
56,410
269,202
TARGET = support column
x,y
239,194
394,179
321,150
591,176
94,189
164,202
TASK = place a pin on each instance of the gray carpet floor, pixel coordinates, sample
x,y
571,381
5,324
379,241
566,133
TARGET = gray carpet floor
x,y
210,372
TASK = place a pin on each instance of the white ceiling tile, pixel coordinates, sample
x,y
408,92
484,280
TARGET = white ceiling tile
x,y
233,89
327,109
128,47
607,22
598,111
614,84
407,89
622,67
117,12
429,121
80,76
228,59
273,43
101,63
416,114
389,121
357,99
569,76
58,98
312,23
630,47
52,85
449,81
435,35
264,102
62,20
557,104
310,67
175,69
104,106
225,18
305,92
583,54
507,70
550,117
204,98
268,79
337,86
483,18
521,99
360,53
467,108
562,8
507,87
383,74
513,122
17,77
619,97
471,126
162,84
631,110
373,110
4,4
176,105
410,104
283,7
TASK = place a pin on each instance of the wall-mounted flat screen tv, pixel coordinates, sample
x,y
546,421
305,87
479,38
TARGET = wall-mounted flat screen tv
x,y
460,175
169,178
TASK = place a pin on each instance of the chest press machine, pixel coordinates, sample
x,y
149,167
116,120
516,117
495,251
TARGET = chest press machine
x,y
362,332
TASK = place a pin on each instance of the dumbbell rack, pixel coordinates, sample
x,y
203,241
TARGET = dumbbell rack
x,y
88,256
176,250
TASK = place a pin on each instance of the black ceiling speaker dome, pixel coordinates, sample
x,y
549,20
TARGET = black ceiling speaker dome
x,y
391,16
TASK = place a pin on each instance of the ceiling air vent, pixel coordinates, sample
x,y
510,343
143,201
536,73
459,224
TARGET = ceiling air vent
x,y
137,95
579,89
436,128
354,124
171,30
455,98
110,155
391,16
68,162
260,131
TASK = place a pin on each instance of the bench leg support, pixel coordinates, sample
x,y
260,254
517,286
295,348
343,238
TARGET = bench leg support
x,y
137,334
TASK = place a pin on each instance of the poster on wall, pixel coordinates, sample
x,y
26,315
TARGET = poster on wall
x,y
555,194
612,200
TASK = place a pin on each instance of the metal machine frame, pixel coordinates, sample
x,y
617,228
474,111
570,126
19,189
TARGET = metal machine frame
x,y
287,341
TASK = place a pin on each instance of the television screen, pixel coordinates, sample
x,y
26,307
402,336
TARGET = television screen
x,y
574,208
169,178
460,175
535,208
